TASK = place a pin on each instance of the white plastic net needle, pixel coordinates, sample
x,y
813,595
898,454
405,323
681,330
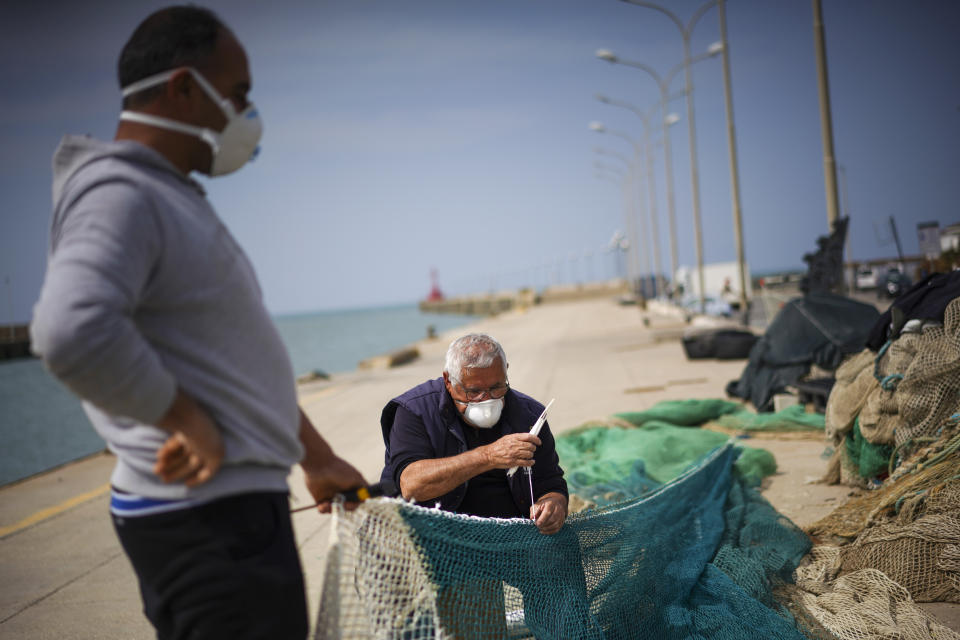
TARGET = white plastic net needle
x,y
535,430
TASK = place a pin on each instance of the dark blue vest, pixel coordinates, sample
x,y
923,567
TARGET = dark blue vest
x,y
434,406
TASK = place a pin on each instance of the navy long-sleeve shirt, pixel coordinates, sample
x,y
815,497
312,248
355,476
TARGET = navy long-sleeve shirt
x,y
423,424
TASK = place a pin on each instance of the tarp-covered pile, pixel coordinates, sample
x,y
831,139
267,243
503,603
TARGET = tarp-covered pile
x,y
818,329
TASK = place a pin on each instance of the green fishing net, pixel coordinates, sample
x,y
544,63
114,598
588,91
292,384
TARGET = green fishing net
x,y
870,459
686,413
793,418
607,464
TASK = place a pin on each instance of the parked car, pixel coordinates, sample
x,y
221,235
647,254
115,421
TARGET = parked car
x,y
893,284
866,278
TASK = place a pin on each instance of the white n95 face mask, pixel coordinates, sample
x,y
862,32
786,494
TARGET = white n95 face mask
x,y
231,148
483,415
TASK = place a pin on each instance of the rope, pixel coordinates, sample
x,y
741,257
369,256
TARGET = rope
x,y
896,450
888,382
901,499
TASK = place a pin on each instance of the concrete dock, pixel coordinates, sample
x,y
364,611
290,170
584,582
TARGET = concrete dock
x,y
65,576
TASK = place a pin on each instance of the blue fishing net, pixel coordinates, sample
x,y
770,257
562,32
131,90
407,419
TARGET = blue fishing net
x,y
697,557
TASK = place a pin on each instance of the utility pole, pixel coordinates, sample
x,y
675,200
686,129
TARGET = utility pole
x,y
896,239
734,175
826,125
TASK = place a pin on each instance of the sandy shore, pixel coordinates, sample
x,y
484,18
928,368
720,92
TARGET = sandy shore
x,y
65,575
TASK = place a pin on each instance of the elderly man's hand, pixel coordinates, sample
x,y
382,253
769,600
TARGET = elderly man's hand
x,y
512,450
549,512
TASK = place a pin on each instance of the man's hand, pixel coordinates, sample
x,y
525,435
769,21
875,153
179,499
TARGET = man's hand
x,y
326,481
512,450
549,512
326,473
194,451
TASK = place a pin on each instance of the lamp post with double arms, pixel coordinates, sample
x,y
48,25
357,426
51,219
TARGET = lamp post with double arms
x,y
651,182
620,242
663,82
603,166
637,167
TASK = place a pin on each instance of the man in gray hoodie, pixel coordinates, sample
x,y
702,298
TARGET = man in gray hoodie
x,y
152,314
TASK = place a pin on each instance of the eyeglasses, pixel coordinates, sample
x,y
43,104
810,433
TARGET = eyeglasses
x,y
495,392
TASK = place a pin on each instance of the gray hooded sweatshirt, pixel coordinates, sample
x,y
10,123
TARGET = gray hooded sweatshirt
x,y
145,291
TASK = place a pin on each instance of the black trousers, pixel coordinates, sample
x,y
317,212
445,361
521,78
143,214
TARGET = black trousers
x,y
226,569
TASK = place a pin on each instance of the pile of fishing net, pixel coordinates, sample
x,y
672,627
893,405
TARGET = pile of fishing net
x,y
886,549
701,556
886,405
893,418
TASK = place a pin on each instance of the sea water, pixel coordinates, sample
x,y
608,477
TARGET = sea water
x,y
42,424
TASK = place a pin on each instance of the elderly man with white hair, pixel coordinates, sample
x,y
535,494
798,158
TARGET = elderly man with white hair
x,y
450,441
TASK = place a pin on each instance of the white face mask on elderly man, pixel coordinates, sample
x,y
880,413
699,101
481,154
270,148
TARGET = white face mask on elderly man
x,y
232,148
483,415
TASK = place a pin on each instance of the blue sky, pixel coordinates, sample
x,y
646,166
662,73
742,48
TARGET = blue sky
x,y
403,136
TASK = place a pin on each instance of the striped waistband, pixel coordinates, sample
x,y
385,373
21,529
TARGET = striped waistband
x,y
129,505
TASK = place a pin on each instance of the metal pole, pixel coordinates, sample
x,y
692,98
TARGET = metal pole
x,y
852,273
644,216
635,199
655,232
896,239
668,174
13,322
694,178
651,211
826,126
734,172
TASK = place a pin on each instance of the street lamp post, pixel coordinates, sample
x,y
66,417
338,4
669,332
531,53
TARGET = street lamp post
x,y
618,243
602,166
639,154
664,84
685,32
670,120
626,181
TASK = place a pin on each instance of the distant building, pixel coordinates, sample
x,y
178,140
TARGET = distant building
x,y
950,237
928,239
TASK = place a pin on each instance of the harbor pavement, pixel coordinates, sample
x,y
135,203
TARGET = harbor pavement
x,y
65,576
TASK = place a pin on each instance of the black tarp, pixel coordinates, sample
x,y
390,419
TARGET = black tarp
x,y
819,328
926,300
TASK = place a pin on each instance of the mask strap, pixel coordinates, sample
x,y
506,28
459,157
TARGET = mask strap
x,y
207,135
147,82
225,105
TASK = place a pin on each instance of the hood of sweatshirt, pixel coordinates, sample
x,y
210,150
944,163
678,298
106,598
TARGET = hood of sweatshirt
x,y
76,152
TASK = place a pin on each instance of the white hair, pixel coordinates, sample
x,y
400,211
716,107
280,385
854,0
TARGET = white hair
x,y
473,351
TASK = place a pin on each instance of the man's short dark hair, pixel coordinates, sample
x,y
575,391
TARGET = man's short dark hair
x,y
179,36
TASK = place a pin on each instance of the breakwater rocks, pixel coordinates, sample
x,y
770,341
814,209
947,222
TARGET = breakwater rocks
x,y
390,360
493,303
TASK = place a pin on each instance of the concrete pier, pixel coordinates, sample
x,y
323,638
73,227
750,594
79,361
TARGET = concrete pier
x,y
493,303
64,575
